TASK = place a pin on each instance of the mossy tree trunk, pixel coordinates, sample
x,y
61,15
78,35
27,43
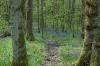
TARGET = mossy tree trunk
x,y
85,57
95,8
29,22
17,20
88,39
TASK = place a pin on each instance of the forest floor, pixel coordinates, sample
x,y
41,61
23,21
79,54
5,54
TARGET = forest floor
x,y
52,58
64,54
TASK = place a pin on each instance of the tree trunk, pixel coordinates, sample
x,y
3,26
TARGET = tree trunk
x,y
42,18
94,5
73,16
29,21
17,20
88,40
84,59
38,12
82,18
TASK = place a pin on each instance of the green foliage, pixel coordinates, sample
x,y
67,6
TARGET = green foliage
x,y
3,25
57,13
36,53
3,15
5,52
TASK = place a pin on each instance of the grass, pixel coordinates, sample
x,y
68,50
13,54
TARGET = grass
x,y
35,51
70,52
5,52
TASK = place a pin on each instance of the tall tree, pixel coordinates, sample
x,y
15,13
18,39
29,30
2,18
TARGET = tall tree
x,y
42,18
63,16
38,12
29,21
88,37
69,13
94,15
73,15
82,18
17,20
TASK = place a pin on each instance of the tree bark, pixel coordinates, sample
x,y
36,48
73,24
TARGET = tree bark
x,y
29,21
82,18
38,12
88,40
73,16
94,5
42,18
17,20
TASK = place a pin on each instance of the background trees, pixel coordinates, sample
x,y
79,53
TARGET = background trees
x,y
55,15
